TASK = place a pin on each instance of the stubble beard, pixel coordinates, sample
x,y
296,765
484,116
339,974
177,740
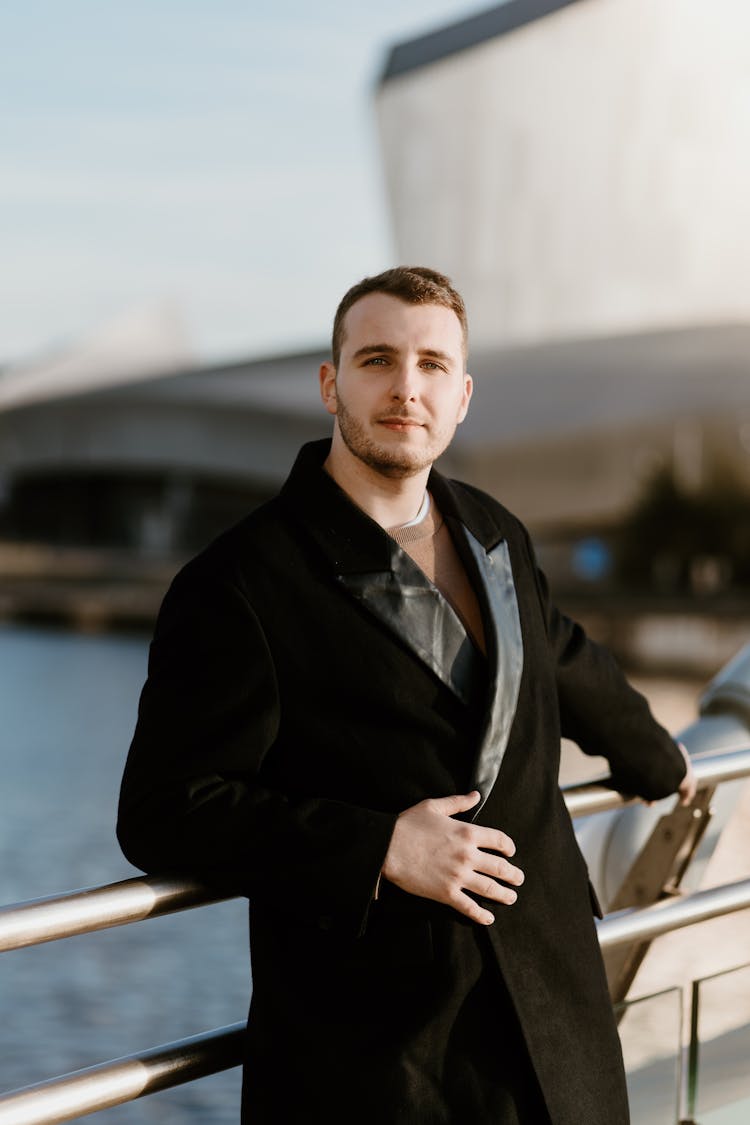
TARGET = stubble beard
x,y
395,463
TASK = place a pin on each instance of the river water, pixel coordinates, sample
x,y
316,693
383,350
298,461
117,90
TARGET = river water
x,y
67,709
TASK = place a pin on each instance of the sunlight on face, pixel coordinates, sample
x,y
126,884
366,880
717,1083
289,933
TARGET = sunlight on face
x,y
401,388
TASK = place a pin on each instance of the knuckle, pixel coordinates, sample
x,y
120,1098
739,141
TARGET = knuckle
x,y
510,874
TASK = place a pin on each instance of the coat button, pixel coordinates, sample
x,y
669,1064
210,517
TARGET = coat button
x,y
325,922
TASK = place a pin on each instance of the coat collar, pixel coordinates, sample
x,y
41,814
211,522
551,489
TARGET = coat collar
x,y
353,541
381,576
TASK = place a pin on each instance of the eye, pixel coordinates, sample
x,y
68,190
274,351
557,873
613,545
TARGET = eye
x,y
432,365
375,361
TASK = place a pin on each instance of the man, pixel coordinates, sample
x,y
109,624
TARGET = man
x,y
353,715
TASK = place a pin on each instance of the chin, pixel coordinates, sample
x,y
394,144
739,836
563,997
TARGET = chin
x,y
398,470
391,462
392,458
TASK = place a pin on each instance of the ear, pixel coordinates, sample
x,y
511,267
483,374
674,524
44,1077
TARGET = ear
x,y
466,398
328,386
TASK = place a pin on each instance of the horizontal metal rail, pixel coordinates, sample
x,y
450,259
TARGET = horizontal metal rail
x,y
99,908
108,1084
116,904
112,1083
592,797
122,1080
647,922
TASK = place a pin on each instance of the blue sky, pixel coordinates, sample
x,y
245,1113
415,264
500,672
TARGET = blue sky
x,y
221,155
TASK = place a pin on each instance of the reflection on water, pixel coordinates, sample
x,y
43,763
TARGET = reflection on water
x,y
68,707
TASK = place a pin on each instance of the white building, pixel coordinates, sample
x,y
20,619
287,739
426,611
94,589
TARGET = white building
x,y
581,169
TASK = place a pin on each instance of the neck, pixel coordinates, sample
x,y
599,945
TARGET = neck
x,y
390,501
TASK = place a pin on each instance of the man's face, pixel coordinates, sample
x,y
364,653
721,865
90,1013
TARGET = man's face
x,y
401,388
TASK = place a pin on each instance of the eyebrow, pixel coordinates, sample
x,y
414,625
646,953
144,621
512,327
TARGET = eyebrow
x,y
371,349
378,349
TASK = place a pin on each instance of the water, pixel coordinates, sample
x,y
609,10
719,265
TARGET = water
x,y
67,710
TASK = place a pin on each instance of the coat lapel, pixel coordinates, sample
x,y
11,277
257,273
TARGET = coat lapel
x,y
505,653
373,569
407,603
480,539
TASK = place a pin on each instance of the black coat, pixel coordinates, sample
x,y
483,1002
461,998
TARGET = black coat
x,y
306,684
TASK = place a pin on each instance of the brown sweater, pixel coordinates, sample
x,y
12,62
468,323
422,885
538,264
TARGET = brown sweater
x,y
430,545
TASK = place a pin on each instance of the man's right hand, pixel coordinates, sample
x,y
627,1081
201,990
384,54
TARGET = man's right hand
x,y
436,857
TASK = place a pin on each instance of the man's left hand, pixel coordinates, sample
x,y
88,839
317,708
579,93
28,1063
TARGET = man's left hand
x,y
688,785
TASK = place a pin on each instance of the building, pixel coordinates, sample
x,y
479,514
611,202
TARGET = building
x,y
579,169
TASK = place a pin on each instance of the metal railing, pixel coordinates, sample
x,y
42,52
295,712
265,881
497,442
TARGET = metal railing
x,y
123,1080
594,797
97,908
150,896
644,923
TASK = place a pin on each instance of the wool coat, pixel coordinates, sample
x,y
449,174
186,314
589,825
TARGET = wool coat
x,y
306,684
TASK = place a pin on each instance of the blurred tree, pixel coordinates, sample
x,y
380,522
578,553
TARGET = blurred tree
x,y
681,542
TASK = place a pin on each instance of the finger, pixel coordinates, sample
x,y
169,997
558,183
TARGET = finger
x,y
494,840
687,792
458,802
688,786
466,905
487,887
500,869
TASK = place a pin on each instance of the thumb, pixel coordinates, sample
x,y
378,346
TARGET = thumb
x,y
457,803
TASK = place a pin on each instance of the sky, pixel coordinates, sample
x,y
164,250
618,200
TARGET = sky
x,y
220,156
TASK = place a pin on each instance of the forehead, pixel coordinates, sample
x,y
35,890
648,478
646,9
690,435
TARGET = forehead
x,y
379,318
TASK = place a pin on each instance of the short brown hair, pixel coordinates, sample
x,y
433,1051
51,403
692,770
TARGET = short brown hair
x,y
415,285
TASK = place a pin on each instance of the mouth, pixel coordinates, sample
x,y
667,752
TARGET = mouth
x,y
400,425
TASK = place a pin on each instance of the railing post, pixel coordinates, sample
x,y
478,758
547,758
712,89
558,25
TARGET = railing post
x,y
693,1053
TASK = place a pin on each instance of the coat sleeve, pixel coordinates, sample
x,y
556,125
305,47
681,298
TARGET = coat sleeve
x,y
603,713
193,800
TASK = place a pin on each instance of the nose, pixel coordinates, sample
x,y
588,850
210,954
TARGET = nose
x,y
404,385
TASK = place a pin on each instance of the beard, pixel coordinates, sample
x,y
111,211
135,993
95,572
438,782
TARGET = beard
x,y
394,461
